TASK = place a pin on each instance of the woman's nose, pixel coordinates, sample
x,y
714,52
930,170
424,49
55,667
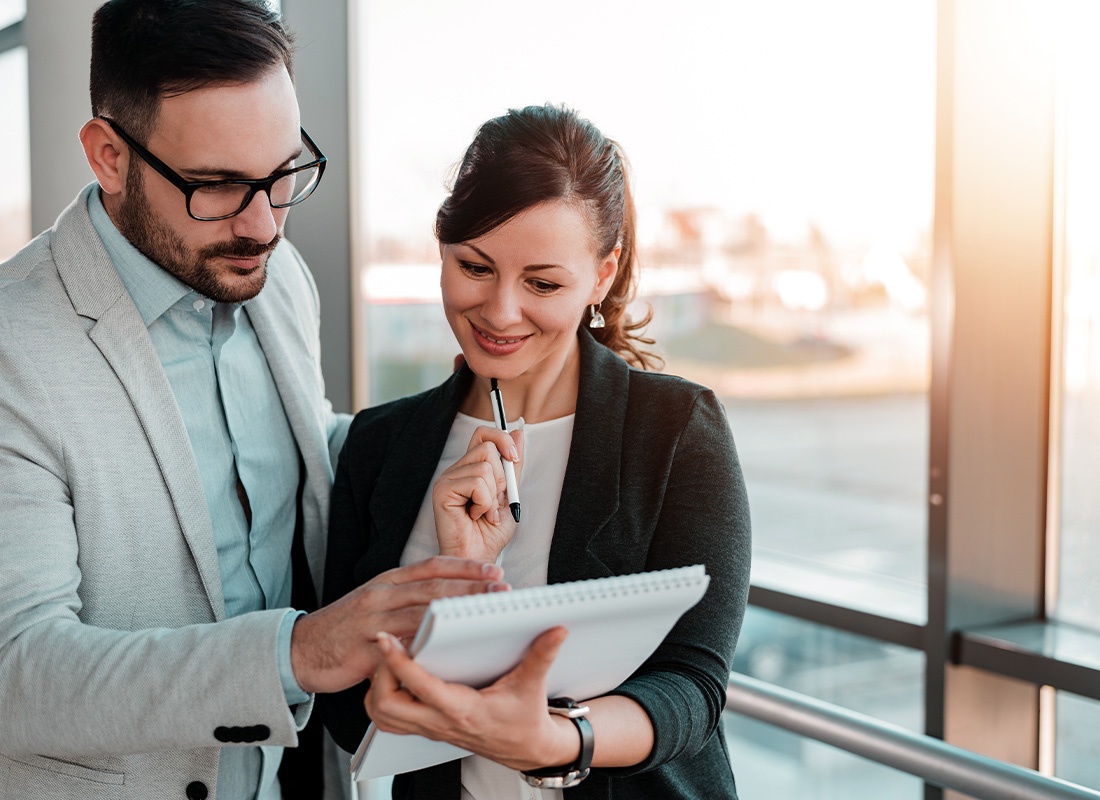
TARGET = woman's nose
x,y
502,309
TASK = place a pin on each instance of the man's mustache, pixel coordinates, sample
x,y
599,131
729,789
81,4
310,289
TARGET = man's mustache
x,y
239,248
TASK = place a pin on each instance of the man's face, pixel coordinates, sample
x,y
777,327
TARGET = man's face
x,y
232,131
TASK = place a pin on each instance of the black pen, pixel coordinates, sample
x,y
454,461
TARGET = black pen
x,y
509,467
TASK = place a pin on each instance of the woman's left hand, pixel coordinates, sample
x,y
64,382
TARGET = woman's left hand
x,y
506,722
469,500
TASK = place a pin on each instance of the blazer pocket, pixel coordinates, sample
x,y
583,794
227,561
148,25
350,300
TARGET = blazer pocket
x,y
51,777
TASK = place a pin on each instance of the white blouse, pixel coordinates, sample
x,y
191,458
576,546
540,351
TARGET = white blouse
x,y
546,452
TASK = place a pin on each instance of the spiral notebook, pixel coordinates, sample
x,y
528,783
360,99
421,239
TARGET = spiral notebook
x,y
614,625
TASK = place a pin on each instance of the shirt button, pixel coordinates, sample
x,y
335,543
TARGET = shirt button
x,y
199,305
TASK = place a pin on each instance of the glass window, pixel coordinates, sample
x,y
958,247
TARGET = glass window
x,y
1077,393
11,11
882,680
15,192
1077,740
783,155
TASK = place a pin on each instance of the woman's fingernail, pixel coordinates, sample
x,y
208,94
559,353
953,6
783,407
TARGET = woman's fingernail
x,y
515,454
385,641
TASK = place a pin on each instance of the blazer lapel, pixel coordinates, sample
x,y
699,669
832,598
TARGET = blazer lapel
x,y
590,493
98,293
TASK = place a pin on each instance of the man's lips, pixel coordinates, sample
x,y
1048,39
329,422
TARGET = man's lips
x,y
245,264
497,345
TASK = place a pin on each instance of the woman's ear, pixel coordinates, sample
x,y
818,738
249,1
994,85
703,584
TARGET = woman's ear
x,y
605,274
106,155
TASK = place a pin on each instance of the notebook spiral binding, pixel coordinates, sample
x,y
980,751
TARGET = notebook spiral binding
x,y
565,594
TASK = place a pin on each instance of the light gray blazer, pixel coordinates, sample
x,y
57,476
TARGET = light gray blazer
x,y
112,679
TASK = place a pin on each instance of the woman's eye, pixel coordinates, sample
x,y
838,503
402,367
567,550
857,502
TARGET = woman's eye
x,y
474,270
544,287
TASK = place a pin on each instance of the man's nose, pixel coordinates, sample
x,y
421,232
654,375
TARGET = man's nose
x,y
257,221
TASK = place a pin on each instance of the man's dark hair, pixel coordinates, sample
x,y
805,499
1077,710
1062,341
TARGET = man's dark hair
x,y
144,50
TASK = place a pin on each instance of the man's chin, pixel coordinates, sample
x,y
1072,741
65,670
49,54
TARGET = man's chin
x,y
235,288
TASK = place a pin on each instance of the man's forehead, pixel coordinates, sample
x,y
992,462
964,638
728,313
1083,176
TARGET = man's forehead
x,y
243,126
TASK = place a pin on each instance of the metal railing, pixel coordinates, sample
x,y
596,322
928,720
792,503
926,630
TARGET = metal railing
x,y
930,759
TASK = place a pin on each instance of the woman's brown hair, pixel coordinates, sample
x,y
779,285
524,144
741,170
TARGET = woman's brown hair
x,y
542,153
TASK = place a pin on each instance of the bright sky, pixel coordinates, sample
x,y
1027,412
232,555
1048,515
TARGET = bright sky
x,y
797,109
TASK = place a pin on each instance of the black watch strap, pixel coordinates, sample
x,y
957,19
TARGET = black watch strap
x,y
571,775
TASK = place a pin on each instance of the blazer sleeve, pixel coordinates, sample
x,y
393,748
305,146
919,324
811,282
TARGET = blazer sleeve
x,y
70,689
703,519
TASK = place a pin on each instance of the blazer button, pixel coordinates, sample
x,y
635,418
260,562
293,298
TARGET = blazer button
x,y
196,790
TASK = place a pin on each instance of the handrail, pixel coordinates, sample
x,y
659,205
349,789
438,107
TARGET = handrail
x,y
930,759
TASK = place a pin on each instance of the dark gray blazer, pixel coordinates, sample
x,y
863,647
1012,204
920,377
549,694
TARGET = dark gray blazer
x,y
652,482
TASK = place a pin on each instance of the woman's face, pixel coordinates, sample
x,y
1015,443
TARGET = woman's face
x,y
515,296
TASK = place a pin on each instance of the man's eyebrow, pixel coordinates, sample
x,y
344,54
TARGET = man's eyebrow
x,y
220,173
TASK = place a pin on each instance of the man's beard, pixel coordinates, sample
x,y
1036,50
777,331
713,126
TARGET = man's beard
x,y
164,247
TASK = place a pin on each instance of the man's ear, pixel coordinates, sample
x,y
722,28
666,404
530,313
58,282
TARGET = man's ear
x,y
107,155
605,274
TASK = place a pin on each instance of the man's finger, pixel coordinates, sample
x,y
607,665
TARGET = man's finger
x,y
420,593
439,567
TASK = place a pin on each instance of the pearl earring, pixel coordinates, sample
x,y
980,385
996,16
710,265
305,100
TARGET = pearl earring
x,y
597,320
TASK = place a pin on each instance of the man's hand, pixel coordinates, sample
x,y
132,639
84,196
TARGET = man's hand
x,y
334,647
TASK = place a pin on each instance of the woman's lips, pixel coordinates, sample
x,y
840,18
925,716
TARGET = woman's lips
x,y
497,345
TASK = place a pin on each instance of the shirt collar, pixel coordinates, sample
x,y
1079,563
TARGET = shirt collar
x,y
153,289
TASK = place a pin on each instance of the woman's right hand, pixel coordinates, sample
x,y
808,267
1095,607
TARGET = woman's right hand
x,y
470,501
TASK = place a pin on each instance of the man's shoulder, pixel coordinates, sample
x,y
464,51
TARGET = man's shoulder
x,y
71,240
29,262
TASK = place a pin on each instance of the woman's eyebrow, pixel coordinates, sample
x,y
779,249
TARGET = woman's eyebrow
x,y
479,251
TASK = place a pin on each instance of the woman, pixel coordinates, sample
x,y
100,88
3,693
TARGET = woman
x,y
621,470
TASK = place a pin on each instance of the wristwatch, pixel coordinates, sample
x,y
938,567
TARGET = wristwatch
x,y
571,774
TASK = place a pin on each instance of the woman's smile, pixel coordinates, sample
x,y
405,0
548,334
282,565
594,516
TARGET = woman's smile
x,y
497,345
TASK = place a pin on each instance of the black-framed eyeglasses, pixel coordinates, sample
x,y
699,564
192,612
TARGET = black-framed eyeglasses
x,y
221,199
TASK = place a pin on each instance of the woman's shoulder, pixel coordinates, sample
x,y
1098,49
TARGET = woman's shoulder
x,y
666,386
377,425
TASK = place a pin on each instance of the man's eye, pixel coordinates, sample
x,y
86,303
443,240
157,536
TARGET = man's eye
x,y
221,189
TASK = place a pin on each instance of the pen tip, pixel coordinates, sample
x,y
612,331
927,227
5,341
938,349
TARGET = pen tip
x,y
515,510
493,384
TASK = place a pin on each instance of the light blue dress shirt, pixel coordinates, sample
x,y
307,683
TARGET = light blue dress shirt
x,y
238,430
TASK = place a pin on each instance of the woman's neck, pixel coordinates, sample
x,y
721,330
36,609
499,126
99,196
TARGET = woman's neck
x,y
541,394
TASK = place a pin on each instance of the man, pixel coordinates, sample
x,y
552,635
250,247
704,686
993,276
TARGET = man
x,y
165,443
